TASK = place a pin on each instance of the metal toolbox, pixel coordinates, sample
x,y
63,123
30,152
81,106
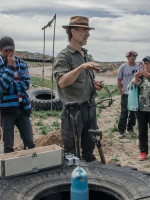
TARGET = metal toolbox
x,y
31,160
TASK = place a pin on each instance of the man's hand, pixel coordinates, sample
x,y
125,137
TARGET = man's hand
x,y
70,77
91,66
11,59
98,85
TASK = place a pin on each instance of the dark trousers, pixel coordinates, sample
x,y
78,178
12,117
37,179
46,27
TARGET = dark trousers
x,y
22,121
86,120
143,119
126,115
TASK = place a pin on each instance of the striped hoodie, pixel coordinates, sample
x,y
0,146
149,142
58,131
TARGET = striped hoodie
x,y
10,89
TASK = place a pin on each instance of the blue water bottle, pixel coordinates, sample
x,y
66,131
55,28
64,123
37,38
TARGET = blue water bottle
x,y
79,184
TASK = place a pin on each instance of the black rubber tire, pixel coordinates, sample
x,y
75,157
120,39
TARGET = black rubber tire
x,y
123,183
41,100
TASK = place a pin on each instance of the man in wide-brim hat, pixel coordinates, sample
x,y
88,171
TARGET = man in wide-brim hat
x,y
74,75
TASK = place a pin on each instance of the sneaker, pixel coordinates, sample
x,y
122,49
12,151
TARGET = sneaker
x,y
131,132
89,158
143,156
121,135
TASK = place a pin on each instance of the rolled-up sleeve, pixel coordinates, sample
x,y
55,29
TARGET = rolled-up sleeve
x,y
61,66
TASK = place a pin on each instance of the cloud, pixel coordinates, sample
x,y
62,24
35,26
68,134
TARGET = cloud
x,y
124,28
134,6
62,8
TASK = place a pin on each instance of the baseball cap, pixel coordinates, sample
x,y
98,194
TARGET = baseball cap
x,y
131,52
7,43
147,58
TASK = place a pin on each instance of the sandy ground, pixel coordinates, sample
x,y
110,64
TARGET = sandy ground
x,y
121,151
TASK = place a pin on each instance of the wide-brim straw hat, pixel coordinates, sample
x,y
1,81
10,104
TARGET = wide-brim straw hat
x,y
78,21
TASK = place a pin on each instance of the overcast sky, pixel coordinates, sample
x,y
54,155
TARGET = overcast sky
x,y
120,25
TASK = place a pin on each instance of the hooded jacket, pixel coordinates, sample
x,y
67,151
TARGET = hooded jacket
x,y
9,88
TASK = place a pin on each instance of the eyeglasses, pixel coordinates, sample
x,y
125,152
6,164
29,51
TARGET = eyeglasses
x,y
147,63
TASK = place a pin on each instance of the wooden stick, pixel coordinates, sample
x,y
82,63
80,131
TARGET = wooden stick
x,y
53,63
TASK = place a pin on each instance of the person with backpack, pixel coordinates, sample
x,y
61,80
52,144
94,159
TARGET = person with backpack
x,y
74,75
142,80
14,101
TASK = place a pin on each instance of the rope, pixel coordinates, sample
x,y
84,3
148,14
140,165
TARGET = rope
x,y
110,100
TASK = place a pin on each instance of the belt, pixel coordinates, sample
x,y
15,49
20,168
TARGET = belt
x,y
88,102
91,100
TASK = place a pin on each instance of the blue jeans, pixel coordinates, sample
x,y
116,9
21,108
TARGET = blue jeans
x,y
22,121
